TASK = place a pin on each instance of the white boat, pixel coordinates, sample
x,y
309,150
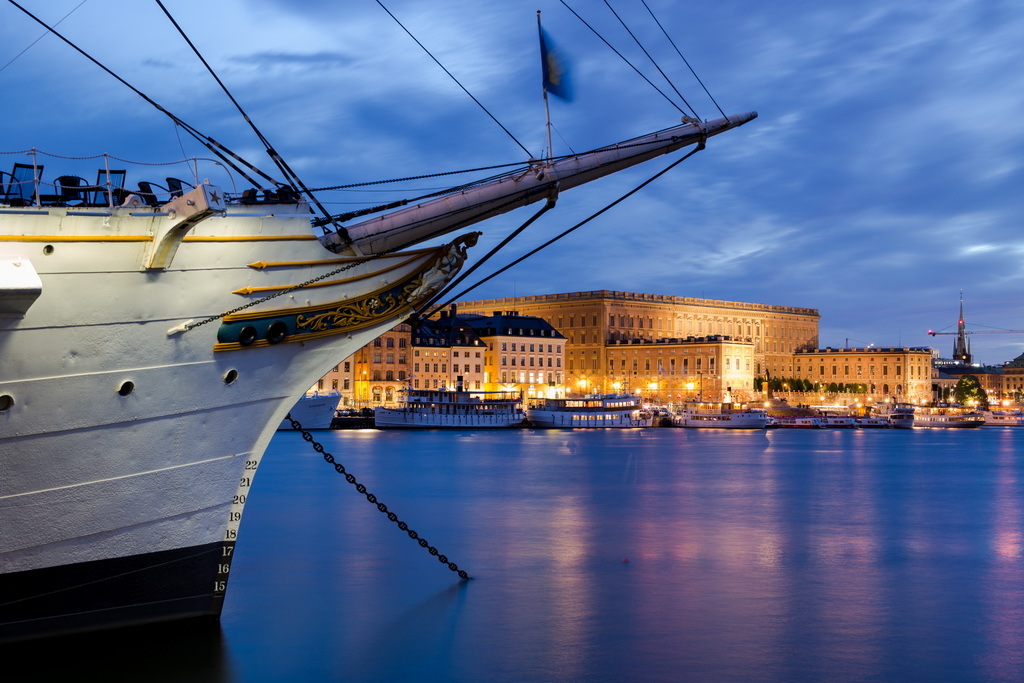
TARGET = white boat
x,y
839,421
152,348
312,411
720,416
799,422
870,422
601,411
1004,418
453,409
898,415
947,418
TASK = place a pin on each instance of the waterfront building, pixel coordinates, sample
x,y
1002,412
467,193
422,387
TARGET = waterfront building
x,y
447,354
1013,379
595,323
902,374
504,351
339,379
523,353
670,370
381,368
422,357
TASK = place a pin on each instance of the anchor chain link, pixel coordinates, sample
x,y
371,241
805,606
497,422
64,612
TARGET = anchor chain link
x,y
350,478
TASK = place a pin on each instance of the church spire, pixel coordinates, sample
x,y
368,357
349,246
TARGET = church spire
x,y
962,346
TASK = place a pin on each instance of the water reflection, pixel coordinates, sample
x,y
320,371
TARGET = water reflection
x,y
636,555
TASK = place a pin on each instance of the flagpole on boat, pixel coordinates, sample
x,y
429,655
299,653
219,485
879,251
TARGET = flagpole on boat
x,y
544,88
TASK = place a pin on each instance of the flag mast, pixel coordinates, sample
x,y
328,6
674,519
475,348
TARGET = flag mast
x,y
544,81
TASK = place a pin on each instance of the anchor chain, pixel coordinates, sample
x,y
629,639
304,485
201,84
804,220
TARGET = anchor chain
x,y
340,469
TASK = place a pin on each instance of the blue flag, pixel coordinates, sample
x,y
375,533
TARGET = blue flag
x,y
555,69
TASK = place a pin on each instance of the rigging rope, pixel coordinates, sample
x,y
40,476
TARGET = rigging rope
x,y
32,44
204,140
640,45
281,164
350,478
450,75
622,57
549,204
554,239
672,42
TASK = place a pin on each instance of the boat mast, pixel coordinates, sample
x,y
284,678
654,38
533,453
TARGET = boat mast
x,y
545,67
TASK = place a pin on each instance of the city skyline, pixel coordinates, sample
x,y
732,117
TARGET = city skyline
x,y
881,178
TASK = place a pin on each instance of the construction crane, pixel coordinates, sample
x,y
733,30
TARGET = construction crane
x,y
933,333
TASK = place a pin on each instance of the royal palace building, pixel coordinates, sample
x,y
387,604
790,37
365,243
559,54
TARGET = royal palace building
x,y
668,346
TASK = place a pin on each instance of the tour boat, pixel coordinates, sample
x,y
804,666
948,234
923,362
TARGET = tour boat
x,y
869,422
898,415
152,345
799,422
947,418
593,411
452,409
839,421
313,411
720,416
1004,418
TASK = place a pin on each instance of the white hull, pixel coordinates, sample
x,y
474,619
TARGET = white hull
x,y
124,447
948,421
453,409
594,412
1004,418
872,423
554,419
898,415
386,418
800,422
719,417
313,411
901,421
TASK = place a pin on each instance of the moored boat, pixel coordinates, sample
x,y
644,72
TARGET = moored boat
x,y
452,409
313,411
870,422
1003,418
592,411
898,415
720,416
800,422
839,421
952,417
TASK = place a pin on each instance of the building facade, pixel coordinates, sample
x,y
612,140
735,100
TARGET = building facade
x,y
596,325
900,374
523,353
670,371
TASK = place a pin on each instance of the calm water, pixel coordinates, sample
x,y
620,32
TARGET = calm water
x,y
657,554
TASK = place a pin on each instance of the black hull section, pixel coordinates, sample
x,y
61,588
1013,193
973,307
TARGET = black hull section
x,y
171,584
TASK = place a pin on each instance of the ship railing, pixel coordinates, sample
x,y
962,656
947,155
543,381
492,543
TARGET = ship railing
x,y
26,186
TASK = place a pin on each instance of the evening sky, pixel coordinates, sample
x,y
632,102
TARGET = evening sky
x,y
884,174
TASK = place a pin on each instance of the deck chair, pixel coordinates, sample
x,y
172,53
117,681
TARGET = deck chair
x,y
115,181
178,187
72,189
5,187
22,191
148,192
